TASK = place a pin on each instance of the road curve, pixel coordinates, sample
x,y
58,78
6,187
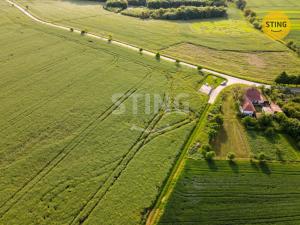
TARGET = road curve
x,y
214,94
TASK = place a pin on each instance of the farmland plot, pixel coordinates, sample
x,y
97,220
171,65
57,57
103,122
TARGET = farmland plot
x,y
230,45
68,153
239,193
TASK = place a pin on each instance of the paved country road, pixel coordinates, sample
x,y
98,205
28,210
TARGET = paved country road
x,y
214,94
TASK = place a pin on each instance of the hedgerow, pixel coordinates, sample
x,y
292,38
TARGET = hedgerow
x,y
122,4
181,13
157,4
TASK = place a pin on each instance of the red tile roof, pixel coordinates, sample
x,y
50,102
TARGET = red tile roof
x,y
253,94
247,105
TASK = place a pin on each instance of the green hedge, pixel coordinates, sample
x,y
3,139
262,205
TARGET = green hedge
x,y
157,4
181,13
122,4
137,2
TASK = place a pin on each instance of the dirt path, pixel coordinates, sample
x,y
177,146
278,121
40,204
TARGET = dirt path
x,y
231,80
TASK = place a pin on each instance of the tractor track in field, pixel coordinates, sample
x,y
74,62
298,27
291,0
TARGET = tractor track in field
x,y
58,158
47,67
168,129
42,103
19,194
96,198
26,76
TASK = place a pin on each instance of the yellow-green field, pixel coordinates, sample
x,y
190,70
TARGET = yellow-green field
x,y
230,44
66,155
290,7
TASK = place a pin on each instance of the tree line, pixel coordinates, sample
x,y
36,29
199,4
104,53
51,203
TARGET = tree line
x,y
121,4
157,4
181,13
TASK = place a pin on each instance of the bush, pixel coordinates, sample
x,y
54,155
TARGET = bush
x,y
230,156
199,68
83,32
270,132
265,121
71,30
141,50
123,4
249,122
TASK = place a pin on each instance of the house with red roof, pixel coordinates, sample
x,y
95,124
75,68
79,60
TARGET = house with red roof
x,y
254,95
247,108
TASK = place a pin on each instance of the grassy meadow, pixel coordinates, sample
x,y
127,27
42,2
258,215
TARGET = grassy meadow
x,y
290,7
240,193
75,147
231,45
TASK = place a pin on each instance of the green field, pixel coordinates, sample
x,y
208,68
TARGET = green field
x,y
231,45
233,136
68,155
241,193
290,7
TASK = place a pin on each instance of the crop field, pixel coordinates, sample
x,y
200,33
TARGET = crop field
x,y
231,44
290,7
77,136
241,193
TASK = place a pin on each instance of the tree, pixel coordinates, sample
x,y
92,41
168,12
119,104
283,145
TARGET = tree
x,y
109,38
230,156
157,56
257,25
204,149
247,12
212,133
241,4
83,32
210,155
283,78
71,29
199,68
218,118
262,157
141,50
